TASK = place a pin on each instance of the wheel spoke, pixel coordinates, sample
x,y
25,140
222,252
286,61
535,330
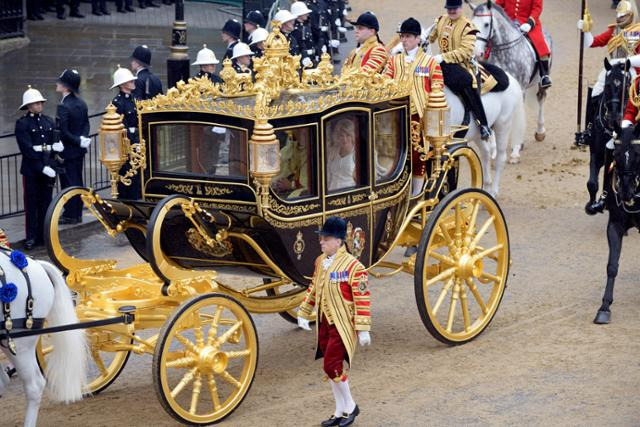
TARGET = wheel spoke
x,y
440,257
447,237
458,224
442,295
452,307
186,343
442,276
238,354
481,232
490,277
185,381
465,309
197,328
473,218
476,294
95,354
224,337
487,252
228,378
181,363
213,330
195,394
213,390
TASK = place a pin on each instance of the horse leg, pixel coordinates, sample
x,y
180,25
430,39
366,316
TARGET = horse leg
x,y
615,232
485,159
502,140
32,379
541,132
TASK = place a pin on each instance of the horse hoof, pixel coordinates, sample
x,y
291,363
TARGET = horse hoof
x,y
514,160
602,318
540,136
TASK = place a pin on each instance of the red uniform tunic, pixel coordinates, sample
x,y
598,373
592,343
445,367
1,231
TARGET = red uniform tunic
x,y
529,11
631,112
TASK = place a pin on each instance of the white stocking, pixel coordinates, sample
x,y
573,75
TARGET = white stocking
x,y
349,404
337,395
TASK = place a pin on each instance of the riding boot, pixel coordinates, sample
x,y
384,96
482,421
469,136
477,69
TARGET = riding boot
x,y
471,99
545,80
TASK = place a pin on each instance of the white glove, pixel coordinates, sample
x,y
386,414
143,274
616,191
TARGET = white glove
x,y
37,148
525,28
218,130
58,147
344,12
310,51
338,22
324,29
334,43
626,124
342,29
438,59
364,338
306,62
303,323
580,24
85,142
324,49
49,172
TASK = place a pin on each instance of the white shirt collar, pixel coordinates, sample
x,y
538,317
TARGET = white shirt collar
x,y
326,263
411,55
65,95
138,72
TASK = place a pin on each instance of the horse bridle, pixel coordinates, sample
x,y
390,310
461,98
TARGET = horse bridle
x,y
487,41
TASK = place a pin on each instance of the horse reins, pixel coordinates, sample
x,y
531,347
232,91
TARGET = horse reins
x,y
489,44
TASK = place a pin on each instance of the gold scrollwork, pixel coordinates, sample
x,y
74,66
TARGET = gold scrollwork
x,y
216,191
181,188
218,248
396,186
291,210
317,221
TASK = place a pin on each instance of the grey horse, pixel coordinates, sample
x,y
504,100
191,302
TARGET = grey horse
x,y
510,50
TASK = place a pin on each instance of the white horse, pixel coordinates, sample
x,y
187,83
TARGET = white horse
x,y
511,51
67,365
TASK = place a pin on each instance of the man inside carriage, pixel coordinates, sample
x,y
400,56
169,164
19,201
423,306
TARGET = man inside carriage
x,y
456,37
526,13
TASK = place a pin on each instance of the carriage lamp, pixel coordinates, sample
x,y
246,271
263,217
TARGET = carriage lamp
x,y
436,123
114,145
264,157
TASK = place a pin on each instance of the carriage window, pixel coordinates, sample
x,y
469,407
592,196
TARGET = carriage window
x,y
388,144
199,149
296,176
345,151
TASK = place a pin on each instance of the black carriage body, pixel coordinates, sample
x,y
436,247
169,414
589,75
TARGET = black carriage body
x,y
180,161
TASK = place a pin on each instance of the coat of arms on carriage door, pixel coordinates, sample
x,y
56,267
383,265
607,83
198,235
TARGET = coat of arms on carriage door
x,y
356,239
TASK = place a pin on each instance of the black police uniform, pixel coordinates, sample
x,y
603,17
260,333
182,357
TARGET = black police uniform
x,y
229,52
213,77
148,85
256,18
241,70
319,19
33,130
294,47
99,7
125,105
73,121
233,28
308,39
125,6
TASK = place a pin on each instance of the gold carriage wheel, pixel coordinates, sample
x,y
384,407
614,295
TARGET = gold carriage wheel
x,y
462,266
474,163
106,360
205,359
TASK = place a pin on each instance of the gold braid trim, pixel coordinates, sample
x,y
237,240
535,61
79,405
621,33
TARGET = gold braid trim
x,y
634,98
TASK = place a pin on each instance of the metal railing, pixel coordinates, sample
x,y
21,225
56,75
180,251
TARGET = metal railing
x,y
94,175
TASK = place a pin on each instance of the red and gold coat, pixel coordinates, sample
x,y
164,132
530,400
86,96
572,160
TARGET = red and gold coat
x,y
528,11
631,113
371,56
346,302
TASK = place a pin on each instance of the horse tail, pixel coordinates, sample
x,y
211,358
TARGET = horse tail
x,y
519,123
66,370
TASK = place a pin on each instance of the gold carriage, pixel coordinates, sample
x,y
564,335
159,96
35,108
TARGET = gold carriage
x,y
241,175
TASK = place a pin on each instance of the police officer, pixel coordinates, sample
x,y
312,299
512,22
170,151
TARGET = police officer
x,y
148,84
253,21
125,105
73,9
306,36
257,42
35,135
241,59
287,20
230,35
207,61
73,123
99,7
125,6
320,19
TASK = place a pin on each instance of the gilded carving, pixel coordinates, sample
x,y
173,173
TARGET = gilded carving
x,y
291,209
356,239
218,248
298,245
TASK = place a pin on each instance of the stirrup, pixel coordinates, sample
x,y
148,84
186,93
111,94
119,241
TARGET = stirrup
x,y
545,82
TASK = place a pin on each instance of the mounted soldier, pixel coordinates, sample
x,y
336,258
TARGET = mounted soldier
x,y
422,69
370,55
527,15
456,37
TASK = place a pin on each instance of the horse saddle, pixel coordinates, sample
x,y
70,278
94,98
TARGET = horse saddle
x,y
494,78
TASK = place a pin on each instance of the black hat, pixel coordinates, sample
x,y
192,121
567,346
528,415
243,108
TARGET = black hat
x,y
233,28
71,79
453,4
255,17
334,227
142,54
367,19
410,26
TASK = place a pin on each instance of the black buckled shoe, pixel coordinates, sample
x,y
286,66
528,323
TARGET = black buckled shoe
x,y
349,419
332,421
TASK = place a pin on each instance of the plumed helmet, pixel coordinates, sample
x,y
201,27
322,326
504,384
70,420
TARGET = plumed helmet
x,y
259,35
122,76
233,28
142,54
299,8
71,80
410,26
367,19
30,96
453,4
283,16
334,227
241,49
255,17
206,57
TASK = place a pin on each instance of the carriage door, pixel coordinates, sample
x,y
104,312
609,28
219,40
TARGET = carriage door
x,y
346,180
